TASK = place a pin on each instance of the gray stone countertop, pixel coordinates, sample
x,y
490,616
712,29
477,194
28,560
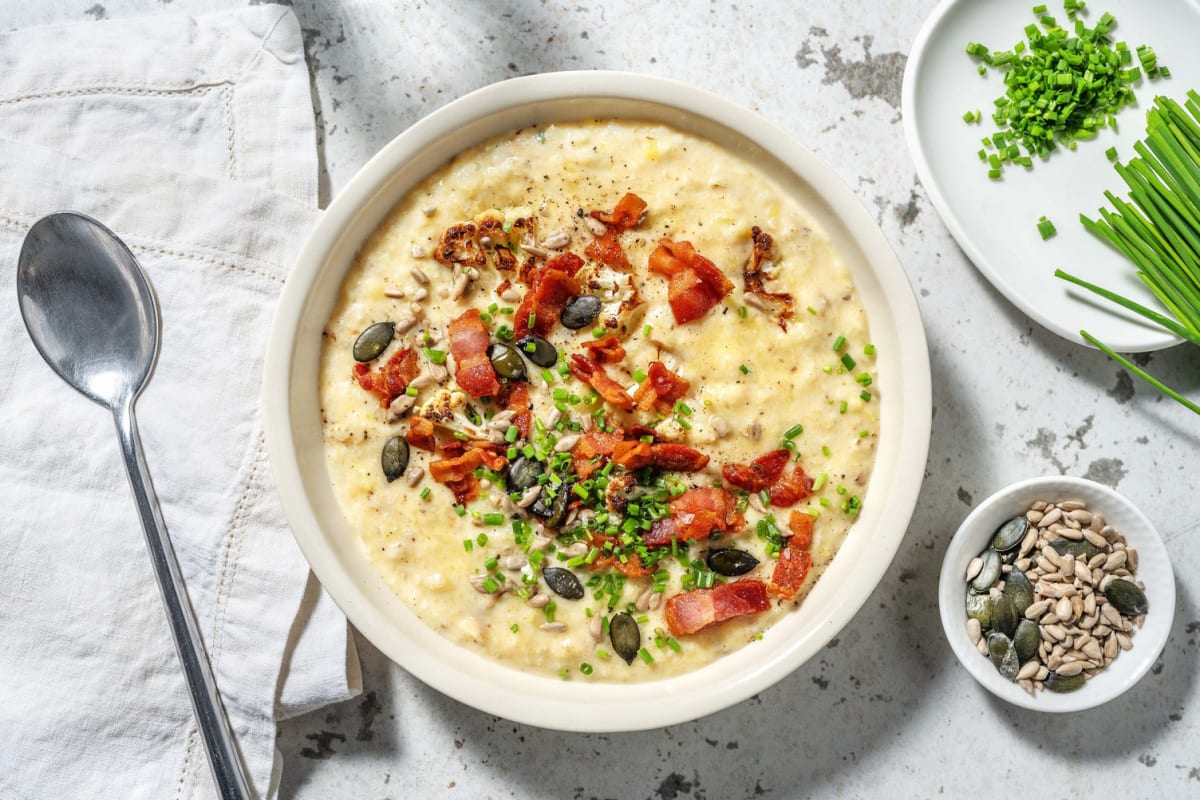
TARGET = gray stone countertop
x,y
885,710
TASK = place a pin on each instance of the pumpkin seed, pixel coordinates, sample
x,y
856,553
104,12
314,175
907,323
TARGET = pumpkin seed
x,y
1019,590
579,312
552,510
563,583
731,561
1026,639
989,573
1003,655
394,458
506,361
1126,597
625,636
1004,615
1064,683
1010,534
373,341
979,606
523,474
1074,549
538,350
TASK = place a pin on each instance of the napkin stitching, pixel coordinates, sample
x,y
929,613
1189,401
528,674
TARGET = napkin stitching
x,y
11,220
133,89
187,759
233,550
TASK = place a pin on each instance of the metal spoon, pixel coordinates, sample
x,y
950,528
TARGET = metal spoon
x,y
92,315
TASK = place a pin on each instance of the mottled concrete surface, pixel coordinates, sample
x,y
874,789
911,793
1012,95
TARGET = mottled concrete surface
x,y
885,710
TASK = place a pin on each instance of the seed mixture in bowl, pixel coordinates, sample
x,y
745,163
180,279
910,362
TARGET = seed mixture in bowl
x,y
1054,598
599,400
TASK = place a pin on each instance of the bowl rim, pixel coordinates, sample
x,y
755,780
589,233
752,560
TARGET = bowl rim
x,y
912,385
1128,669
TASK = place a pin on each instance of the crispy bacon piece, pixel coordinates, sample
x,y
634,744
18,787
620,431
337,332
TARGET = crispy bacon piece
x,y
390,380
607,250
695,514
514,396
695,283
762,472
551,289
457,468
593,374
677,457
633,455
631,567
690,612
465,490
491,455
469,344
420,434
790,571
627,213
592,445
605,351
801,526
752,278
790,489
661,389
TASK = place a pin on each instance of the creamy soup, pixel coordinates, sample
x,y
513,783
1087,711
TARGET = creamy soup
x,y
599,400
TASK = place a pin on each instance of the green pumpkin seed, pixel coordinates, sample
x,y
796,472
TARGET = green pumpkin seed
x,y
1126,597
731,561
1003,655
538,350
990,572
1004,615
523,474
979,606
506,361
1057,683
1083,547
1026,639
394,458
625,636
579,312
1018,589
373,341
1010,534
552,510
563,582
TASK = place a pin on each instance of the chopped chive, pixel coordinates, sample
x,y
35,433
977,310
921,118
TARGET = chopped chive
x,y
848,361
646,330
745,370
411,391
865,395
839,343
842,406
645,655
511,434
1046,228
639,376
532,321
585,668
425,493
599,331
1111,154
793,432
514,627
436,356
468,545
493,518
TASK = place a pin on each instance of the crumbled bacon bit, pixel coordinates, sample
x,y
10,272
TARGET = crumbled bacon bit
x,y
469,343
677,457
591,448
605,351
801,526
456,468
791,489
690,612
695,283
627,214
390,380
551,289
514,396
661,389
631,567
593,374
633,455
752,277
790,572
761,473
607,250
695,514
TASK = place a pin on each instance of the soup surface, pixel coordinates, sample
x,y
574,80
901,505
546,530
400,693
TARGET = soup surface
x,y
599,400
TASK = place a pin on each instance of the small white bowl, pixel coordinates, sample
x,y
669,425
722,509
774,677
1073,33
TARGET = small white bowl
x,y
1154,568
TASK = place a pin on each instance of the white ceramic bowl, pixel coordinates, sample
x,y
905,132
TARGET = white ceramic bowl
x,y
293,421
1154,567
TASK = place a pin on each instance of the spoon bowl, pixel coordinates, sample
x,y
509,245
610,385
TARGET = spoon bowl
x,y
107,344
92,315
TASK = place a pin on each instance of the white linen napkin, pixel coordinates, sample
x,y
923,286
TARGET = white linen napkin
x,y
193,139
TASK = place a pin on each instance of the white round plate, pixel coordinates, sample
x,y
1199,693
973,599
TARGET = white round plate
x,y
995,221
292,414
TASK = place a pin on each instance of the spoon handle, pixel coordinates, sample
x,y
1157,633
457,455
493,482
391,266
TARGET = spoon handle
x,y
228,772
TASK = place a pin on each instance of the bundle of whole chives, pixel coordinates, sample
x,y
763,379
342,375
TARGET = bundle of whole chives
x,y
1160,230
